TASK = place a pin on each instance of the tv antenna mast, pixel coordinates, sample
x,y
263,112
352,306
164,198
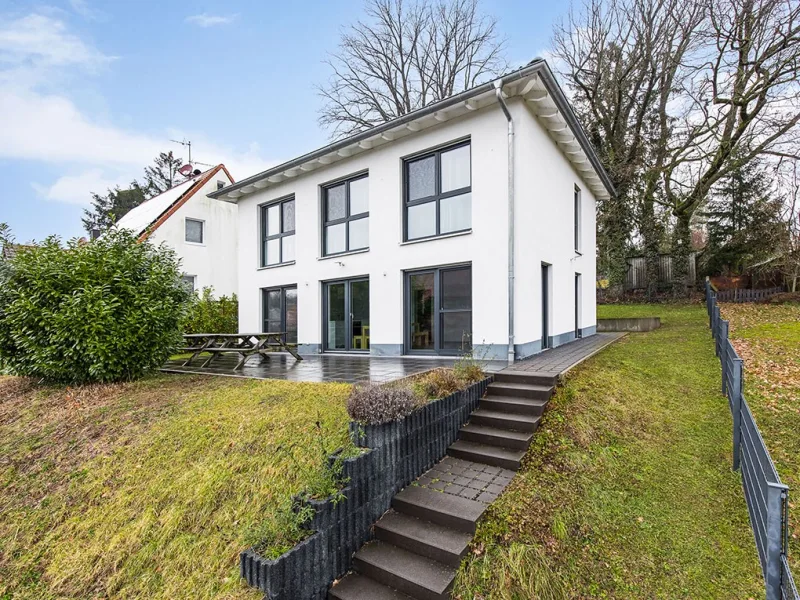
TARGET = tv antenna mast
x,y
186,143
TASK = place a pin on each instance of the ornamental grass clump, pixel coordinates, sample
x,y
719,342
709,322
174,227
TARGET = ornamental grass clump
x,y
372,404
102,311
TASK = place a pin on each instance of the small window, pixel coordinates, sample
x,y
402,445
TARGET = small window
x,y
577,218
220,184
438,193
194,231
188,281
345,210
277,232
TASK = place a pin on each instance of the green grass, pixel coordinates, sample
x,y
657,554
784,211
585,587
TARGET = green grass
x,y
767,337
151,489
627,491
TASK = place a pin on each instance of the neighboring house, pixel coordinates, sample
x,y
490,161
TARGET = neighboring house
x,y
396,240
202,231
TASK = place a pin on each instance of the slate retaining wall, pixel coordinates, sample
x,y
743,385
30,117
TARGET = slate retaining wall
x,y
397,453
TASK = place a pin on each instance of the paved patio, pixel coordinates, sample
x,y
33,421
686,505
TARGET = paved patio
x,y
353,368
558,361
321,367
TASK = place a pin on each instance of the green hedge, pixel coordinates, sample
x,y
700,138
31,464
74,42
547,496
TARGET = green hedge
x,y
106,310
213,315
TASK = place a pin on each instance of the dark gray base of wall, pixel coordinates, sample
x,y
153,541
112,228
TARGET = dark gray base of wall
x,y
527,349
309,348
386,349
629,324
396,454
587,331
490,351
561,338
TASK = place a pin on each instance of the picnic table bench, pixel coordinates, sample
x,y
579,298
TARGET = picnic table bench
x,y
243,344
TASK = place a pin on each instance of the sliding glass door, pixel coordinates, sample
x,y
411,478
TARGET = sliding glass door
x,y
279,307
346,315
439,310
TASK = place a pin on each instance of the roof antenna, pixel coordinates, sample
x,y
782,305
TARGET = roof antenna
x,y
187,143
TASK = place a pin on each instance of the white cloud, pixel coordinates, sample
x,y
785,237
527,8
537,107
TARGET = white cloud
x,y
41,42
77,189
48,127
82,8
207,20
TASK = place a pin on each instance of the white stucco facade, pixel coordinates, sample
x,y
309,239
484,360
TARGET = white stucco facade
x,y
210,262
545,182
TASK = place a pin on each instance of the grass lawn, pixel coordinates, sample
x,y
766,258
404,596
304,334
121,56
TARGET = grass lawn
x,y
627,491
767,337
151,489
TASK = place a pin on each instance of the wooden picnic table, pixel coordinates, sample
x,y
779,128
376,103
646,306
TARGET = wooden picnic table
x,y
243,344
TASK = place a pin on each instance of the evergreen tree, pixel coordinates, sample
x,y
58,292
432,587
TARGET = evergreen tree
x,y
162,175
110,208
743,221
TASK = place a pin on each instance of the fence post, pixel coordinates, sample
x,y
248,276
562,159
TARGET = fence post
x,y
772,575
722,343
736,409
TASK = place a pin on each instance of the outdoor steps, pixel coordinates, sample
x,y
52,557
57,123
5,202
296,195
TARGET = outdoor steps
x,y
442,544
421,540
504,420
488,455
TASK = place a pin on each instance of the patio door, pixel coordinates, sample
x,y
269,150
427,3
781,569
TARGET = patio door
x,y
279,307
346,315
439,311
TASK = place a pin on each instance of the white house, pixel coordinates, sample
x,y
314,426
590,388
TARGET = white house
x,y
202,231
470,222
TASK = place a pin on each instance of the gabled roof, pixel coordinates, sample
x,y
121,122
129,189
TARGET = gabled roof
x,y
534,83
151,214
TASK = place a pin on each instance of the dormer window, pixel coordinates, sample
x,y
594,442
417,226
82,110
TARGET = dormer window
x,y
220,184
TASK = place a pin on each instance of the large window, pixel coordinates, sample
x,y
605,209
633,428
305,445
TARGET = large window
x,y
438,193
346,315
439,310
577,218
279,306
346,216
194,231
277,232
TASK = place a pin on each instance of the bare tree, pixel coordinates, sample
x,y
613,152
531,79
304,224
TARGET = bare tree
x,y
406,55
739,100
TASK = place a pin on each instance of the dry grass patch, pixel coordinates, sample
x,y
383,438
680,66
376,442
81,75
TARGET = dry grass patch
x,y
151,489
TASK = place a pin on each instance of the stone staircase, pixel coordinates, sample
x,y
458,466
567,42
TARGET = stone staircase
x,y
420,541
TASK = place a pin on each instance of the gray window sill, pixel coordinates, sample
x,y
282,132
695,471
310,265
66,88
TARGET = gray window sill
x,y
285,264
340,254
438,237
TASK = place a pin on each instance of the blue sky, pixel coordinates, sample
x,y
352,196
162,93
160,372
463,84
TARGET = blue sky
x,y
90,91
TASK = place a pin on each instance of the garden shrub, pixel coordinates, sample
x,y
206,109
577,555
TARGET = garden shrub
x,y
210,315
373,404
439,383
106,310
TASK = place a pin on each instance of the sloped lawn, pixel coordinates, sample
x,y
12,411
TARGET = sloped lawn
x,y
627,491
767,337
151,489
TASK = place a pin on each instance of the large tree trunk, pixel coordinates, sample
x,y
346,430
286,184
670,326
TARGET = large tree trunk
x,y
650,236
681,248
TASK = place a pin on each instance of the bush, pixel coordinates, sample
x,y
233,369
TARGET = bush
x,y
439,383
107,310
783,298
373,404
208,315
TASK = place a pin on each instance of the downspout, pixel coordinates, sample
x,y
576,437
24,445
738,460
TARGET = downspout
x,y
498,90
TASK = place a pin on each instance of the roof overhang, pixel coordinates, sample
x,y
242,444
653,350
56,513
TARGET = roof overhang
x,y
534,83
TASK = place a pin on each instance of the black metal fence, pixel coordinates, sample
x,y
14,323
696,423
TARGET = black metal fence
x,y
739,296
767,498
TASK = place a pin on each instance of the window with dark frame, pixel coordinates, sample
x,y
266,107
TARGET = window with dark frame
x,y
277,232
194,231
279,308
220,184
345,216
438,192
577,218
188,281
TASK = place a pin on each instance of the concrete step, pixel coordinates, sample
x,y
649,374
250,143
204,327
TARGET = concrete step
x,y
504,420
360,587
514,404
488,455
529,378
520,390
492,436
442,544
409,573
439,508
